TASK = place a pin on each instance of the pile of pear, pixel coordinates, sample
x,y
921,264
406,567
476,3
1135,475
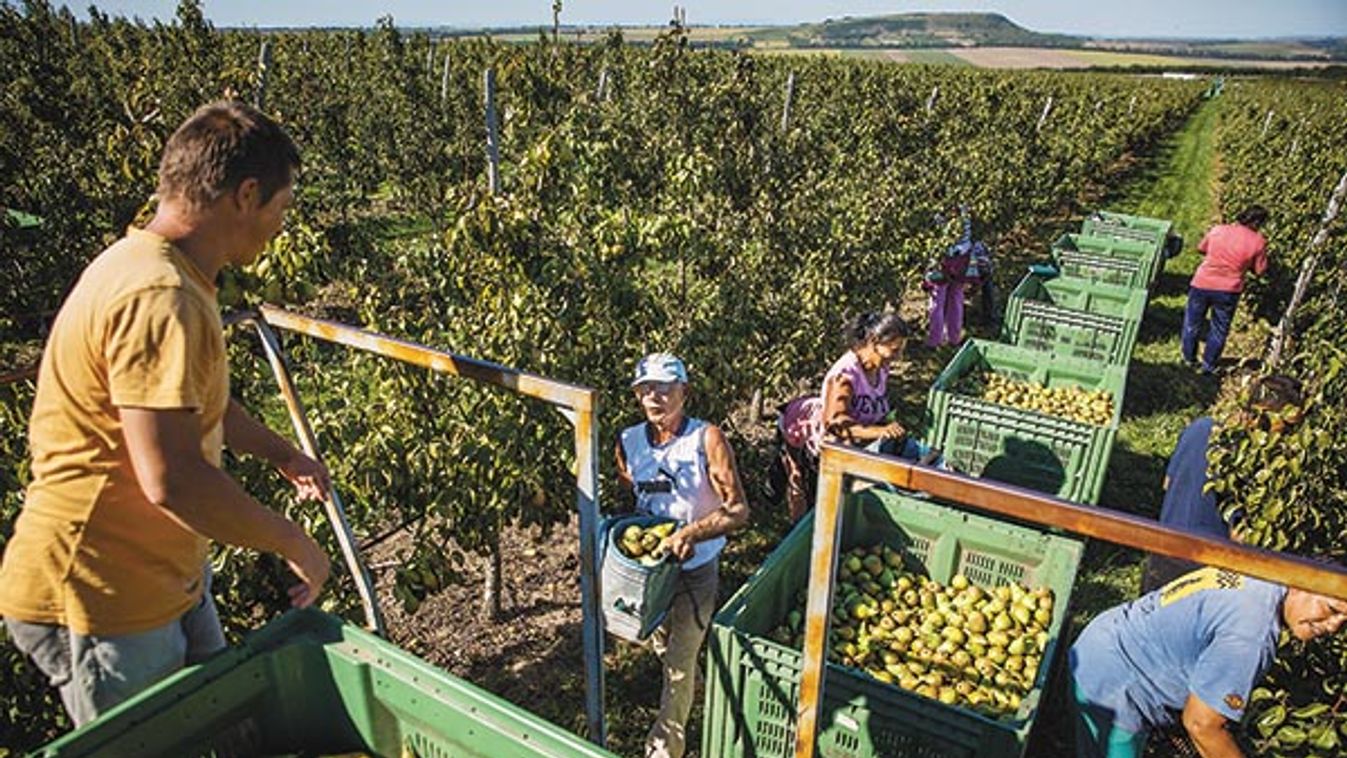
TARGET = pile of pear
x,y
958,643
646,545
1074,403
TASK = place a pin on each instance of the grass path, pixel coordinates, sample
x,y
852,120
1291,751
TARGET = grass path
x,y
1162,394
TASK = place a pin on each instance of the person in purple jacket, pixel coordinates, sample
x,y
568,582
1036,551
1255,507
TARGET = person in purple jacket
x,y
949,280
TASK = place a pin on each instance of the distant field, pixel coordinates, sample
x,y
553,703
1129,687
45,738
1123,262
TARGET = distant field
x,y
1267,48
983,57
1039,57
943,57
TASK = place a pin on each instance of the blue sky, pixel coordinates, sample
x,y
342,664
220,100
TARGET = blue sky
x,y
1149,18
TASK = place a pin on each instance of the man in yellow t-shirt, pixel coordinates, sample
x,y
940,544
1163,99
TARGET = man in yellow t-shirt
x,y
104,583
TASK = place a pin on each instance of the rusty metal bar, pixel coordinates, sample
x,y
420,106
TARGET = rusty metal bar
x,y
838,465
336,513
577,404
587,502
822,570
532,385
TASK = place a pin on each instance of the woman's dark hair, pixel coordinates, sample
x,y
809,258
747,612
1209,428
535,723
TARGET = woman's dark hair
x,y
1253,216
1275,392
877,328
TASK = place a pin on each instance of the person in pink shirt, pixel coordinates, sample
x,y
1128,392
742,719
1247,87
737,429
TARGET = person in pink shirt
x,y
1231,251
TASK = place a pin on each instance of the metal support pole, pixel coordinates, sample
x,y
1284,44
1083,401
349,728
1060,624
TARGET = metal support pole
x,y
492,140
790,95
587,503
602,89
336,514
930,101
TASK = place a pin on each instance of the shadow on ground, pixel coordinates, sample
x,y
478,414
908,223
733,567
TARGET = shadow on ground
x,y
1135,482
1154,388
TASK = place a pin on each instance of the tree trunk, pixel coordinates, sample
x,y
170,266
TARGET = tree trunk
x,y
491,606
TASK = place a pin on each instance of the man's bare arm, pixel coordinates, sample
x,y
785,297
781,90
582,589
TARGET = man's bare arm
x,y
733,512
245,434
165,451
1206,726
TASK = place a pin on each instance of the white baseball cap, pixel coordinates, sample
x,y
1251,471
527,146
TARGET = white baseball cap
x,y
660,367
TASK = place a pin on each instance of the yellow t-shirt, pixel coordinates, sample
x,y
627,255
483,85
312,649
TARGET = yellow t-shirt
x,y
140,329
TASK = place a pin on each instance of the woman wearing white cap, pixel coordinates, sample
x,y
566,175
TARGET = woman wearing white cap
x,y
683,468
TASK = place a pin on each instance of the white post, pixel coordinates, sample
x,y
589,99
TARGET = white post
x,y
444,79
790,94
1266,123
263,68
1282,333
492,141
930,101
1132,104
1043,117
602,89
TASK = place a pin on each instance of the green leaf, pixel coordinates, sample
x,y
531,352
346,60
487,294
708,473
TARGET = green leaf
x,y
1290,736
1310,711
1270,720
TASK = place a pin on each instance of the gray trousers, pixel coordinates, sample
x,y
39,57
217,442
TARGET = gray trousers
x,y
93,673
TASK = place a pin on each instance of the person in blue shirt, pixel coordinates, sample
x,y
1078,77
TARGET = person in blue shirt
x,y
1191,651
1187,504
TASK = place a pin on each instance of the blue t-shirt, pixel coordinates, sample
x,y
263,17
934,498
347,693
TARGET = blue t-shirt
x,y
1186,506
1211,633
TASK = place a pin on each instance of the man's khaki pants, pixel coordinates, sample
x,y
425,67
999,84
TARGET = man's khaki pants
x,y
677,643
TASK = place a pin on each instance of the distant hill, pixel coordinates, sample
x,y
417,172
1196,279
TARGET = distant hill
x,y
910,30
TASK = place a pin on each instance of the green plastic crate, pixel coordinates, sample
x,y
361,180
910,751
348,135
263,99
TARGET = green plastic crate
x,y
752,690
1143,254
1026,448
1074,317
1126,227
1100,268
310,684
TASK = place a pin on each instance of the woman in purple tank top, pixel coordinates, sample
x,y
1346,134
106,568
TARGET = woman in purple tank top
x,y
855,389
853,409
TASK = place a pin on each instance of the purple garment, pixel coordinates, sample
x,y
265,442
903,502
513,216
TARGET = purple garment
x,y
946,314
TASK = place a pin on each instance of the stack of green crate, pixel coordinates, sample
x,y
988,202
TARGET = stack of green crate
x,y
752,690
311,684
1074,317
1048,453
1125,263
1121,226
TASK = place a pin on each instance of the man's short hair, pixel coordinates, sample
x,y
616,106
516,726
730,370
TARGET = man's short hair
x,y
220,146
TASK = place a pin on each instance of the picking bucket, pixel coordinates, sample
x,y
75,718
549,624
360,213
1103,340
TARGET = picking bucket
x,y
635,597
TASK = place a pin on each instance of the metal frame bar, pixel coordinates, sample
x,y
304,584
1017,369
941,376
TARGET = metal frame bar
x,y
839,466
336,512
579,405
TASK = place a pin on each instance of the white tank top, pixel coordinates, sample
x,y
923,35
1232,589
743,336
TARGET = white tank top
x,y
672,480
